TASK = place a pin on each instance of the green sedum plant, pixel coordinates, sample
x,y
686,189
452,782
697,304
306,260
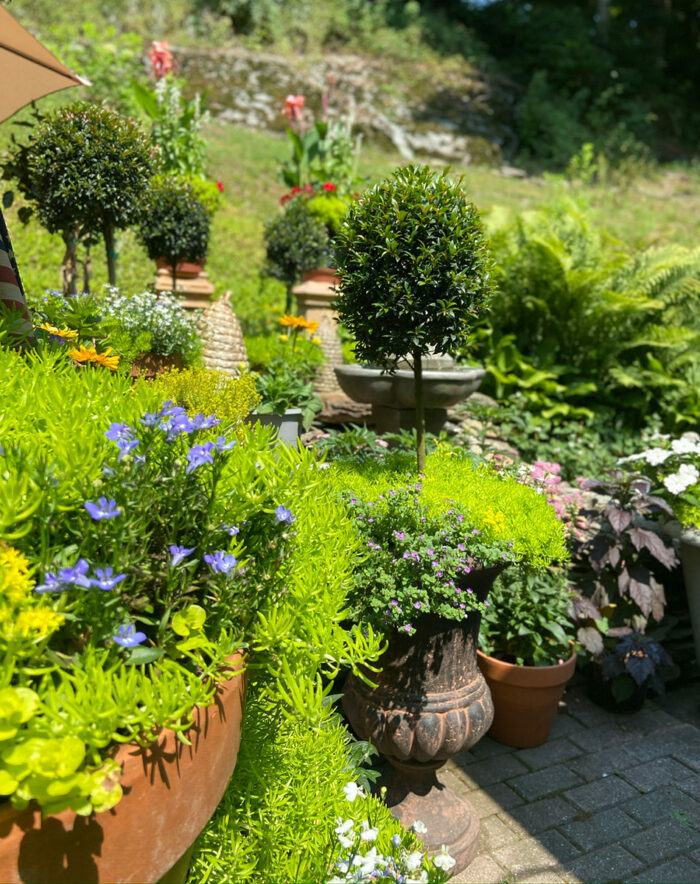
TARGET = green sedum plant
x,y
415,273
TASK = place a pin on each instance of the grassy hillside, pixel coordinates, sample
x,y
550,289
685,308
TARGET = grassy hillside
x,y
645,211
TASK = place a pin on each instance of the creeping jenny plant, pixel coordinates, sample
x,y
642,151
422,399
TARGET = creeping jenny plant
x,y
415,272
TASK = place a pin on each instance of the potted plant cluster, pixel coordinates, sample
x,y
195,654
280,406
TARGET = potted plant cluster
x,y
618,608
673,467
432,545
83,169
129,580
527,652
285,384
415,274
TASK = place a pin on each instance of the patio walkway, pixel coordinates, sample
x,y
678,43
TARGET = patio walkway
x,y
608,798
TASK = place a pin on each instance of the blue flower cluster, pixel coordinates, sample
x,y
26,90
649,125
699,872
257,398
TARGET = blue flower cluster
x,y
77,575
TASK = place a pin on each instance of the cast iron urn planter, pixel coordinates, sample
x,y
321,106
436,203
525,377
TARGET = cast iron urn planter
x,y
430,703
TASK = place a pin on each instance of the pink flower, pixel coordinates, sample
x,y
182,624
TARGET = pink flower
x,y
161,58
292,107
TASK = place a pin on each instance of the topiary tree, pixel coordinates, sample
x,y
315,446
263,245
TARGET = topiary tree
x,y
296,240
415,273
174,223
84,169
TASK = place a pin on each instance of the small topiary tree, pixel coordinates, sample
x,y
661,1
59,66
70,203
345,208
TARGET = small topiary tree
x,y
415,273
174,223
296,240
84,169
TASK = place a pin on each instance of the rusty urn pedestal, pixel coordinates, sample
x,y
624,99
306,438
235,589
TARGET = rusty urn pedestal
x,y
431,702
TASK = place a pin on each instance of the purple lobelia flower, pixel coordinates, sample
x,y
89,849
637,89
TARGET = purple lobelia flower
x,y
106,579
221,562
179,553
127,636
282,514
75,576
231,530
150,418
222,445
126,446
103,509
204,422
52,583
199,455
119,433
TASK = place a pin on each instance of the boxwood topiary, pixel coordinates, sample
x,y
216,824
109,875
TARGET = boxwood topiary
x,y
295,240
174,223
415,272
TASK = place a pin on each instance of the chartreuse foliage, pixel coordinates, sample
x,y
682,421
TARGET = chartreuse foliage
x,y
497,505
206,390
138,550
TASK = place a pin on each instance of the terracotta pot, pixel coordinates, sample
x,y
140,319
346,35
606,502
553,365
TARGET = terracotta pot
x,y
525,699
184,270
170,792
430,702
150,365
327,275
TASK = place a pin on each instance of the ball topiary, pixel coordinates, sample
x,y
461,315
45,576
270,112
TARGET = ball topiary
x,y
415,272
174,223
84,168
295,240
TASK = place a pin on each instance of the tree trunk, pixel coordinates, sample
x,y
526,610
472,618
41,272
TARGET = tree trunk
x,y
108,234
69,268
173,269
420,409
87,270
288,301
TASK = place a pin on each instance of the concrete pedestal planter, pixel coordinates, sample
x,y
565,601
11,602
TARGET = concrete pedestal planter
x,y
525,699
288,425
170,792
690,559
431,702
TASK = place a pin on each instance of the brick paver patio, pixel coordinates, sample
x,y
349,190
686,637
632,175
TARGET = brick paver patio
x,y
608,798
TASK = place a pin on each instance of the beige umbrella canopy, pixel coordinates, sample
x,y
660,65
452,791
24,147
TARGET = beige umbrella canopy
x,y
27,69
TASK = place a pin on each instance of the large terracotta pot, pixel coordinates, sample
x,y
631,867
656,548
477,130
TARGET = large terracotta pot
x,y
150,365
430,703
327,275
525,699
184,270
170,792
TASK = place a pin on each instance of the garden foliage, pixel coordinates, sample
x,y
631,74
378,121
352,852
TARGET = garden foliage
x,y
576,329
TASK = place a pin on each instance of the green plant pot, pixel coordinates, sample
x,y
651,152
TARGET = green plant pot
x,y
288,425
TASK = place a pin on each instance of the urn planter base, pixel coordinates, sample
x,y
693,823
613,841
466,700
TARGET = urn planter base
x,y
414,793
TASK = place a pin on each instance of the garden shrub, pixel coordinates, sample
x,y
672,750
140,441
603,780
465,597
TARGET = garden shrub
x,y
206,390
575,328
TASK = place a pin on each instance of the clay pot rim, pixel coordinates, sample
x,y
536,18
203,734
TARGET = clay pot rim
x,y
527,676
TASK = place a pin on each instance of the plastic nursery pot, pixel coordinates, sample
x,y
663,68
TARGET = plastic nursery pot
x,y
170,792
600,691
288,425
525,699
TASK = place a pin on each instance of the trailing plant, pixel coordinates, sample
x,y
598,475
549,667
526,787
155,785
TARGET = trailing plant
x,y
173,223
415,273
529,621
83,169
422,536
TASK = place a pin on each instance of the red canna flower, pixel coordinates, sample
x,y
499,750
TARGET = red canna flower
x,y
161,58
220,186
331,188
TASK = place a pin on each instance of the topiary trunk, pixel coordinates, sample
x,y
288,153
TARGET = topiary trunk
x,y
69,267
420,409
108,234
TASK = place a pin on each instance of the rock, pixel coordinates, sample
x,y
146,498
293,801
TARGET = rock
x,y
512,172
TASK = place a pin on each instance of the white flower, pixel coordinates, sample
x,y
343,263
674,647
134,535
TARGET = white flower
x,y
368,862
685,446
343,827
345,841
367,833
353,791
686,476
413,861
443,860
419,827
656,456
421,879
